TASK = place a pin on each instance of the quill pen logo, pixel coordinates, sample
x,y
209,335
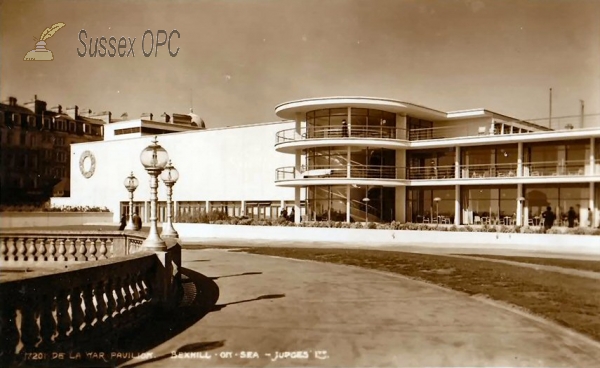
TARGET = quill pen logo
x,y
40,53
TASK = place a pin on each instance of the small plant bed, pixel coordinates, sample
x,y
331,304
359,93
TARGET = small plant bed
x,y
576,264
220,218
568,300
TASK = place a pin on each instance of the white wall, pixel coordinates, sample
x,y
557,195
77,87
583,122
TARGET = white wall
x,y
229,164
462,127
10,220
364,238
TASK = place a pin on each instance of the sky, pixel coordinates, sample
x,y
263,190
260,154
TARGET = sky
x,y
238,59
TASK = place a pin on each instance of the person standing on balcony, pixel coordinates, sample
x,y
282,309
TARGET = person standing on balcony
x,y
571,216
344,129
549,218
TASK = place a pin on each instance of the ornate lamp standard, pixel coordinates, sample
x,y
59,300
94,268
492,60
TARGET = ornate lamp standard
x,y
169,176
131,183
154,158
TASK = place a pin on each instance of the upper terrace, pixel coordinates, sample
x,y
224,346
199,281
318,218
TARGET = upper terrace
x,y
384,123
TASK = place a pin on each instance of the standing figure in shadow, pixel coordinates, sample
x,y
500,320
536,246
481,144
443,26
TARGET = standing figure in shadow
x,y
344,129
137,221
571,216
549,218
123,222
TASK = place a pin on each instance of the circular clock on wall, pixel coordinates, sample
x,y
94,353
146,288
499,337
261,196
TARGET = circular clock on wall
x,y
87,164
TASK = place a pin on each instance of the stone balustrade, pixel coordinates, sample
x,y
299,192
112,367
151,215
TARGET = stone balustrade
x,y
80,306
25,248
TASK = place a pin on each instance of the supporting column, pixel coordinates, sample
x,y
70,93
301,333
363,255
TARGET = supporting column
x,y
519,160
348,166
348,202
457,162
591,221
298,153
457,211
207,207
401,127
175,211
349,118
520,204
297,209
400,207
592,170
243,208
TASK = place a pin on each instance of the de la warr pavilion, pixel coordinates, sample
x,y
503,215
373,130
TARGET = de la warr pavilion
x,y
362,159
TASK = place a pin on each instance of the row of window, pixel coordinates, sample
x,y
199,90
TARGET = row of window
x,y
55,124
193,211
143,130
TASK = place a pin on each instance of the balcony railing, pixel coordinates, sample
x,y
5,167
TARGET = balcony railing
x,y
505,170
557,168
564,123
488,171
337,171
430,172
335,132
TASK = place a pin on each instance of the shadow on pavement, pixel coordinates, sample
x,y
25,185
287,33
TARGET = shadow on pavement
x,y
238,274
218,307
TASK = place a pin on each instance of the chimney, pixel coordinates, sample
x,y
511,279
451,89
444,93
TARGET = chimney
x,y
12,101
105,116
73,112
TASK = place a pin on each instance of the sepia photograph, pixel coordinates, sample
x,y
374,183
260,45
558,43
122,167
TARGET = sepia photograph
x,y
299,183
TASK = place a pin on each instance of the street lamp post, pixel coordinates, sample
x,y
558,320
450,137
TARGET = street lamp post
x,y
366,200
154,158
437,208
131,183
169,176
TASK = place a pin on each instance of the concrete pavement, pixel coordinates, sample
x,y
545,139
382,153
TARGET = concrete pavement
x,y
286,313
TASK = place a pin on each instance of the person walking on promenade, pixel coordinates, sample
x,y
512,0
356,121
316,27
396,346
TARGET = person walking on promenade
x,y
571,216
549,218
123,222
137,221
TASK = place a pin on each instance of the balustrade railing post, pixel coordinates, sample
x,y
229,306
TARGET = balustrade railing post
x,y
62,250
77,315
31,251
47,323
63,318
3,249
30,332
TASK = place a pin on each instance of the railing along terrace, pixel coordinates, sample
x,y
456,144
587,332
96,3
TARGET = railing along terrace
x,y
35,247
556,168
556,124
339,131
430,172
477,171
337,171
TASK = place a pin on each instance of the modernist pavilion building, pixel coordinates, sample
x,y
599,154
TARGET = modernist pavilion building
x,y
358,158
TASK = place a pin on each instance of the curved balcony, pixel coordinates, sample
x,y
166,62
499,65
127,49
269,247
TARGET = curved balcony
x,y
373,175
289,140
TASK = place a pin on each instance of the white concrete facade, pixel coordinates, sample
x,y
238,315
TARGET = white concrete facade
x,y
258,170
228,164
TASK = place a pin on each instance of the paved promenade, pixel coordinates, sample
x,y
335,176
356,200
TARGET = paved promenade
x,y
324,315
